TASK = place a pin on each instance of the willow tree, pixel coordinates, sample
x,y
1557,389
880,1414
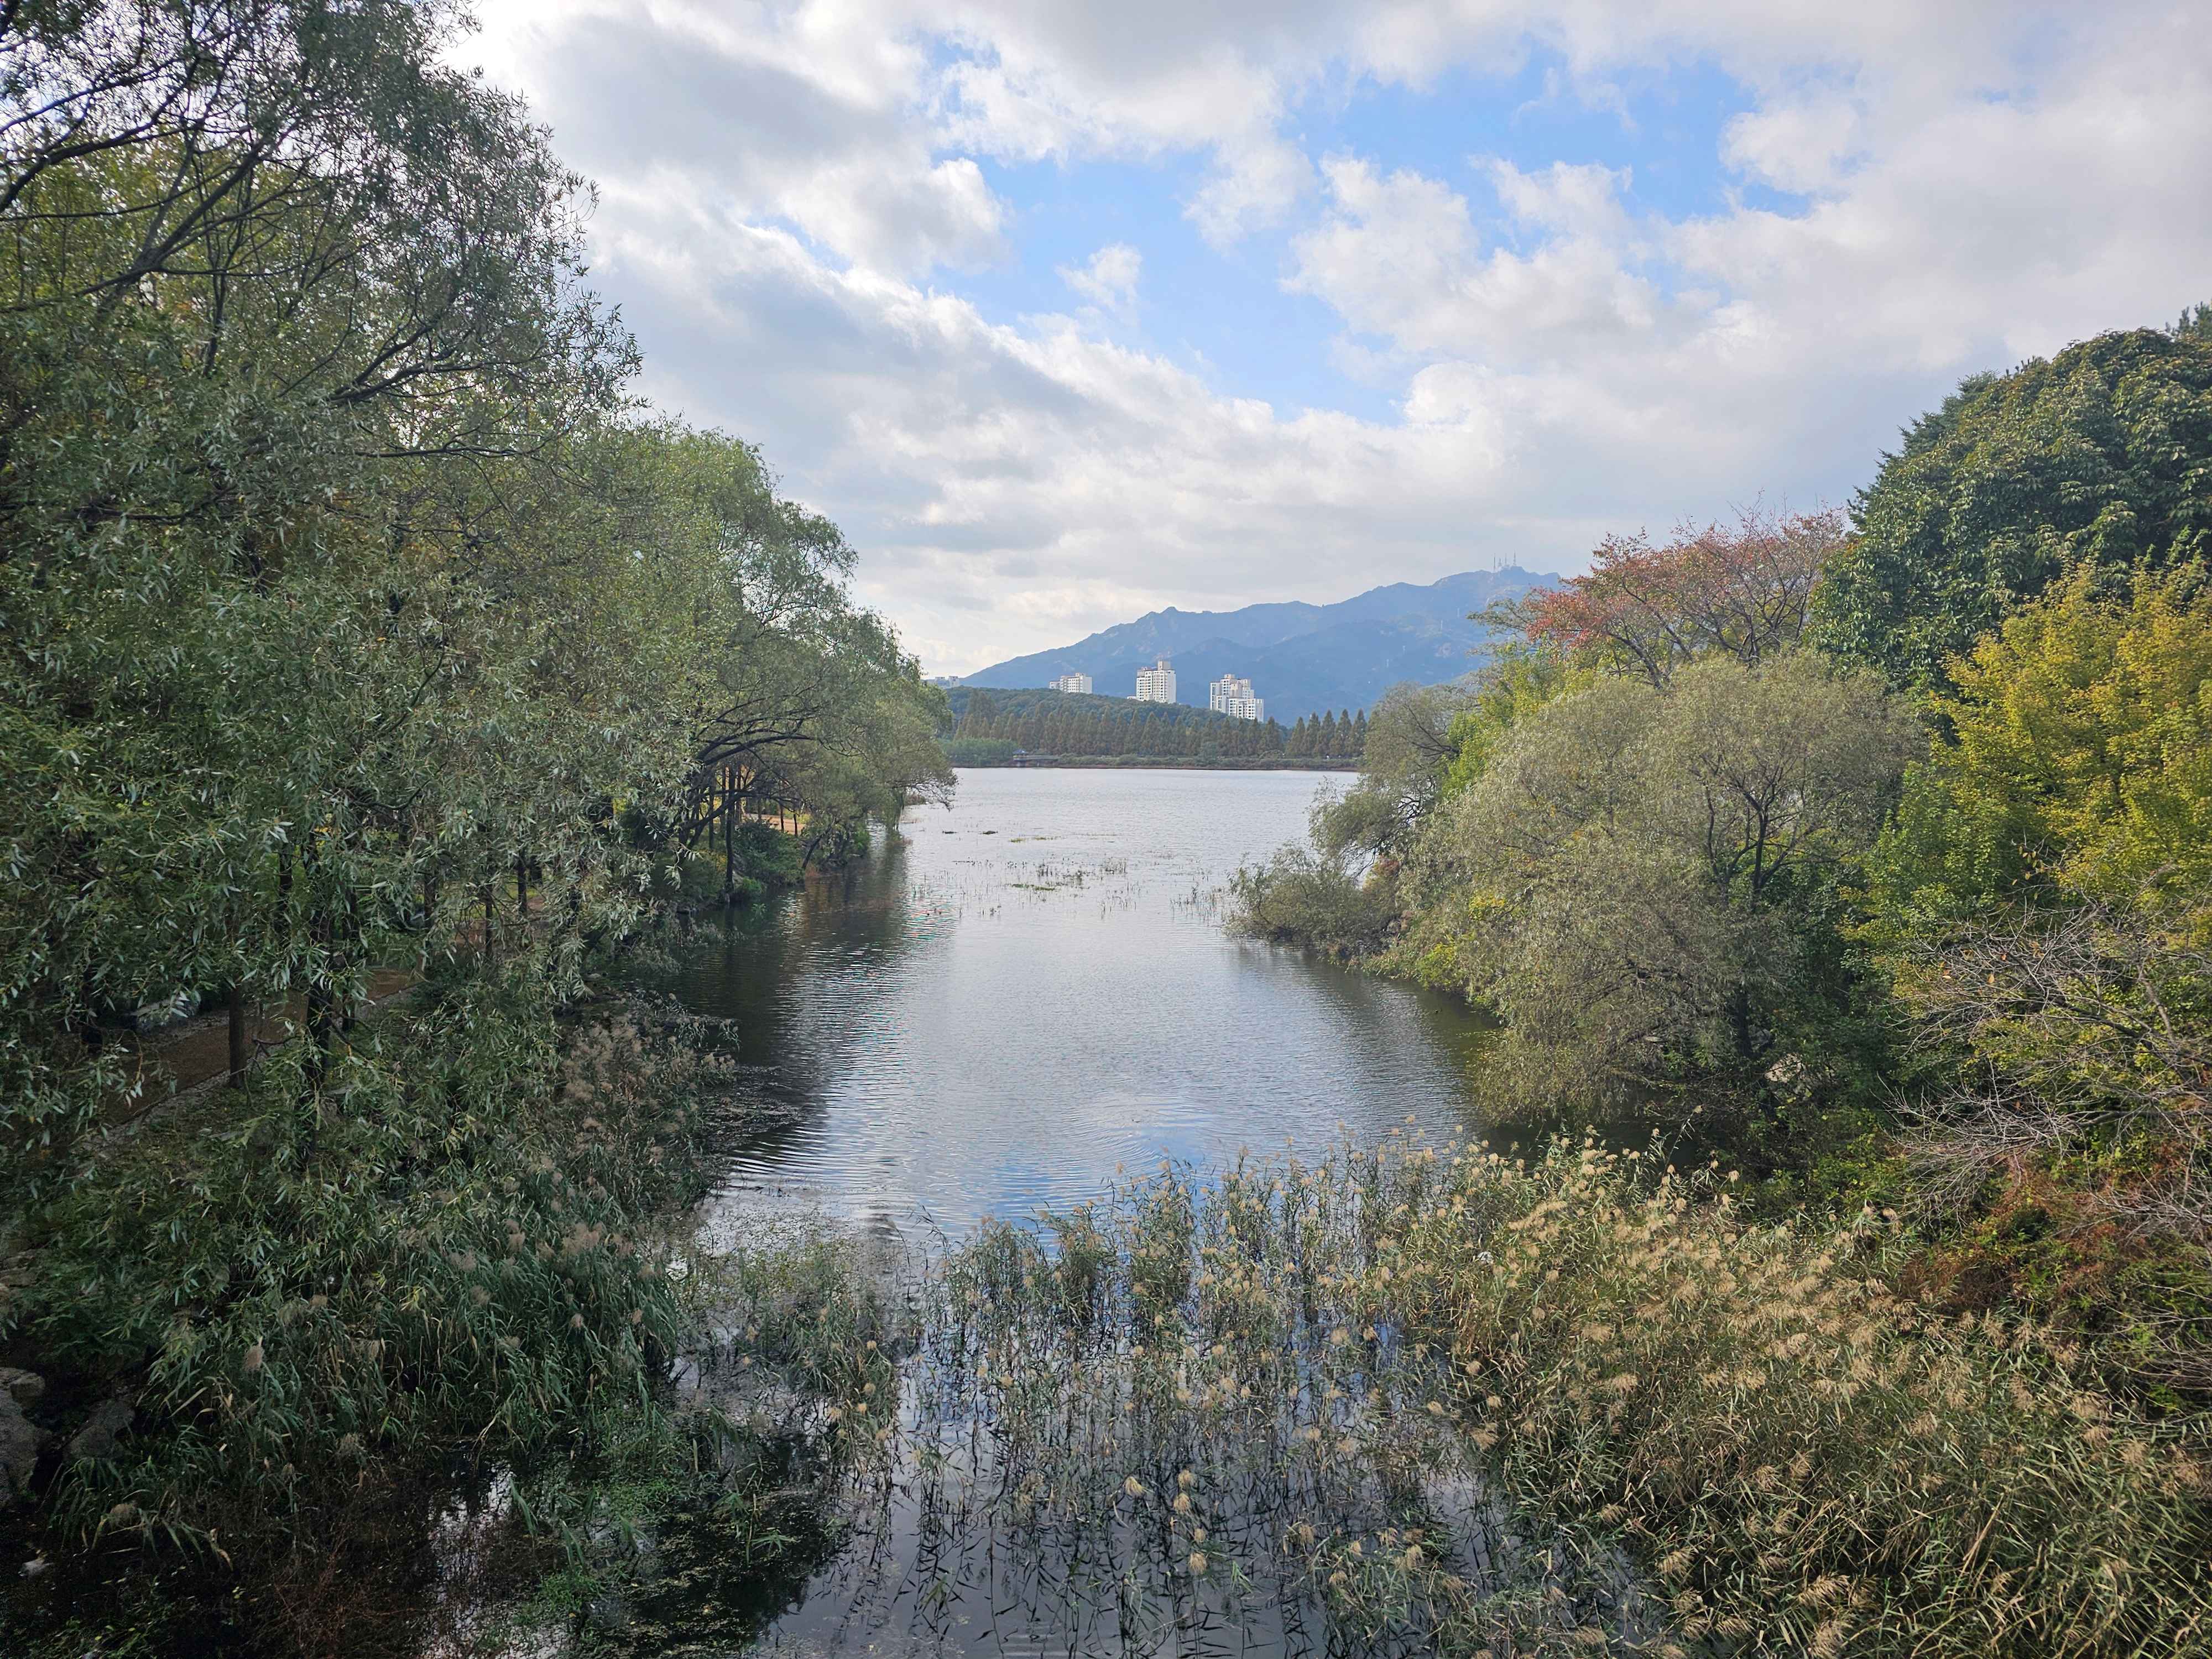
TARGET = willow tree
x,y
1640,884
347,604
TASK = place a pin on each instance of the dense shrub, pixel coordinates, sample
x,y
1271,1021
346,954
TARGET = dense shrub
x,y
1642,884
457,1253
2099,456
1305,897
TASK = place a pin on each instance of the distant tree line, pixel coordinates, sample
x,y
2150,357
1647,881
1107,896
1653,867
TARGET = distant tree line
x,y
1088,728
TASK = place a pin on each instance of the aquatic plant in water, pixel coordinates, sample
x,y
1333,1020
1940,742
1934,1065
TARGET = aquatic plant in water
x,y
1431,1399
1195,1416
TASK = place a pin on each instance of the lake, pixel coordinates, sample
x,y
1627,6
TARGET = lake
x,y
1005,1005
1010,997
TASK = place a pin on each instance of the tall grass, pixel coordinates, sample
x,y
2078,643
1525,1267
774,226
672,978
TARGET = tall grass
x,y
1431,1399
1810,1462
1146,1426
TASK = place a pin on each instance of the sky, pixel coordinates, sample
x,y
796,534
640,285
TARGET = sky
x,y
1068,311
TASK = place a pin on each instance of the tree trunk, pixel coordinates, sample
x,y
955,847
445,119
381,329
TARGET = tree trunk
x,y
237,1012
319,1036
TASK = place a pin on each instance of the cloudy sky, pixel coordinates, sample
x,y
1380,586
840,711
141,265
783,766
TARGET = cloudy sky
x,y
1066,310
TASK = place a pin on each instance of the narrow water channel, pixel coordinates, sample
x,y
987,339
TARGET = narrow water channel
x,y
1009,998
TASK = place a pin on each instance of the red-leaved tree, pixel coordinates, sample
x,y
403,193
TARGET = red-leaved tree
x,y
1744,589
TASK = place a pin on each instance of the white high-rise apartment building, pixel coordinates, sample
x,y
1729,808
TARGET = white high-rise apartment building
x,y
1077,682
1156,684
1232,695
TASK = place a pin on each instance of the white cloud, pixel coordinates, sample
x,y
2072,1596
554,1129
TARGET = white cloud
x,y
1800,143
1254,185
1109,281
756,114
1399,256
789,188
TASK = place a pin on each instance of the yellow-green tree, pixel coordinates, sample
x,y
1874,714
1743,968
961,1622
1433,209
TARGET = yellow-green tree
x,y
2081,763
2041,901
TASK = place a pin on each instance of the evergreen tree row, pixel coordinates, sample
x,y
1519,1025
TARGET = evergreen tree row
x,y
1100,727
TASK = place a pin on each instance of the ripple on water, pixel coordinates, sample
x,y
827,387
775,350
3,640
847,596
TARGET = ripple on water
x,y
1000,1006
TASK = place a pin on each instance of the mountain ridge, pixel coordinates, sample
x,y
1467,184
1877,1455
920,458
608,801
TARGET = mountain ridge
x,y
1302,658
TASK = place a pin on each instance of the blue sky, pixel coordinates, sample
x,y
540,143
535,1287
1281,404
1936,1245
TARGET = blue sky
x,y
1225,311
1067,313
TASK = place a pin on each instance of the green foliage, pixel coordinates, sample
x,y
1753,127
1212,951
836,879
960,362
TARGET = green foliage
x,y
1407,746
2080,759
2040,902
359,628
342,591
2101,455
1339,894
766,854
456,1257
1080,726
1519,680
1316,897
1642,884
980,751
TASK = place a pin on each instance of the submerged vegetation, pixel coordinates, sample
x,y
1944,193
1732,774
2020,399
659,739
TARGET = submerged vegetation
x,y
1425,1399
1372,1375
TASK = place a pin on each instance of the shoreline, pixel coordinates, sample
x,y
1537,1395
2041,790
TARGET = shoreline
x,y
1161,763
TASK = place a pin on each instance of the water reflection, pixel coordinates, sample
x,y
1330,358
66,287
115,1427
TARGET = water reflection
x,y
1013,997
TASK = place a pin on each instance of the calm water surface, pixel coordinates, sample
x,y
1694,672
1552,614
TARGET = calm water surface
x,y
1012,997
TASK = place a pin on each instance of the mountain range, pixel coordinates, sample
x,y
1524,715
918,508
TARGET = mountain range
x,y
1301,658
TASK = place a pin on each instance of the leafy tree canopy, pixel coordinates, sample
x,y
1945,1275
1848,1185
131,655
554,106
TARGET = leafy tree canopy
x,y
2100,455
2082,765
1741,590
1637,882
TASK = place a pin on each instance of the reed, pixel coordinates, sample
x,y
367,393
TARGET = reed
x,y
1431,1399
